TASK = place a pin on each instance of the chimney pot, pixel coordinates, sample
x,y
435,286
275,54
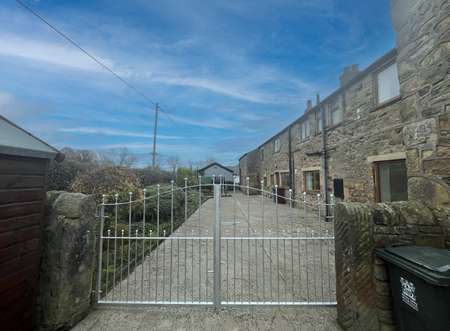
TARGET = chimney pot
x,y
348,74
317,99
308,104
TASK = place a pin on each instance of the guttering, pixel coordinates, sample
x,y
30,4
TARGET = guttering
x,y
324,160
290,166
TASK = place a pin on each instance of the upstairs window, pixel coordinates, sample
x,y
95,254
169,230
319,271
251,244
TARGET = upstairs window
x,y
387,85
276,144
262,155
305,129
335,112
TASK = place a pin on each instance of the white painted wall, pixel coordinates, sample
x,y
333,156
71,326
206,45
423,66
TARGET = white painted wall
x,y
216,170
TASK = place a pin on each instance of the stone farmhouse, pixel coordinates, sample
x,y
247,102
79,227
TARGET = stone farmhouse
x,y
383,135
356,132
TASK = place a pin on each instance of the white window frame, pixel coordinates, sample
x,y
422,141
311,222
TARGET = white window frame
x,y
384,82
305,129
276,145
333,110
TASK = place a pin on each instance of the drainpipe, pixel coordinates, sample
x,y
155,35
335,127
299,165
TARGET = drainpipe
x,y
290,168
324,157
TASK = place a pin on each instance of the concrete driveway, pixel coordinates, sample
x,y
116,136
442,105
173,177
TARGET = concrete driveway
x,y
242,279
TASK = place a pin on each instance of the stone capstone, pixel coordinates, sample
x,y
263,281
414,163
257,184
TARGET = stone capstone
x,y
67,264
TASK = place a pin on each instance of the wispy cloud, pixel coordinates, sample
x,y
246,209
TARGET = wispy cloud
x,y
110,132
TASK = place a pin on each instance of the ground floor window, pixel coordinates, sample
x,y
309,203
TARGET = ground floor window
x,y
391,177
272,180
312,180
285,179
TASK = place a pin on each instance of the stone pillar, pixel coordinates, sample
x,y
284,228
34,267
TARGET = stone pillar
x,y
67,263
354,288
423,63
362,280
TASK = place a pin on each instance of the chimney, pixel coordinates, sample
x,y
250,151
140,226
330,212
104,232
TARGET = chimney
x,y
317,99
308,105
349,73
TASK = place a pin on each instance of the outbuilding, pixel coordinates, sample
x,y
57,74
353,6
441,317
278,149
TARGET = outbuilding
x,y
24,164
216,169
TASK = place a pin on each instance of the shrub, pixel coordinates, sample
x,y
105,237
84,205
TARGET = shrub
x,y
183,173
148,177
165,203
110,180
61,175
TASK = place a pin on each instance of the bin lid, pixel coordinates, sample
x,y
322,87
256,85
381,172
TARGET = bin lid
x,y
429,263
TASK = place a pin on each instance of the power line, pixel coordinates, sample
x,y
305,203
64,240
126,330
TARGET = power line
x,y
112,72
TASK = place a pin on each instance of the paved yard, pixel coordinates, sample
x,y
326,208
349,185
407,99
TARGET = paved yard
x,y
253,270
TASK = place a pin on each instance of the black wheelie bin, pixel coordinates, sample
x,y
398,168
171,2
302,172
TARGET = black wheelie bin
x,y
420,282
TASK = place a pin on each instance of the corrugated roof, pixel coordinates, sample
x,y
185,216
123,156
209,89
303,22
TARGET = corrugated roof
x,y
16,141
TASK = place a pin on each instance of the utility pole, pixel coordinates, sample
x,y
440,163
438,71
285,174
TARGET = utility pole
x,y
154,138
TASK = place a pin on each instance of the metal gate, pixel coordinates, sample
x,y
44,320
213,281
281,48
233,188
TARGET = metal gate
x,y
237,249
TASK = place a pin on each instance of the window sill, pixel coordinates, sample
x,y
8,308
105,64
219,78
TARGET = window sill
x,y
334,126
312,192
386,103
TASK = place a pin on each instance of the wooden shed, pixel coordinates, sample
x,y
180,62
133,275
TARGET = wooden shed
x,y
24,164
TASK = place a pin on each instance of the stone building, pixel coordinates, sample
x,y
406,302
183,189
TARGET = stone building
x,y
383,135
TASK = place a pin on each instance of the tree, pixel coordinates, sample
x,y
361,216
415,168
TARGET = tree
x,y
107,157
124,157
173,161
127,158
83,156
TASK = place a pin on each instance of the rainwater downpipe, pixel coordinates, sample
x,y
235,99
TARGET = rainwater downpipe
x,y
324,159
290,167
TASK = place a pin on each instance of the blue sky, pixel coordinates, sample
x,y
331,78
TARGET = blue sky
x,y
229,73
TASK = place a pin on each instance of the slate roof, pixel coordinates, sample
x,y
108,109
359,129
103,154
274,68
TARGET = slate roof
x,y
16,141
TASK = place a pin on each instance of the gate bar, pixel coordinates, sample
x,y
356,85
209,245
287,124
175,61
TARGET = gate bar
x,y
98,289
217,247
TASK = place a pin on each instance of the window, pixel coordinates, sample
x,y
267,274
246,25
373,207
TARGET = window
x,y
305,129
276,144
391,181
265,181
319,121
285,178
312,180
335,112
262,155
387,85
272,180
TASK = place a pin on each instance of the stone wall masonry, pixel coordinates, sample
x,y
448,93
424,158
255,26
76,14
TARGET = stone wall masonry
x,y
423,44
363,287
67,264
250,165
274,162
364,130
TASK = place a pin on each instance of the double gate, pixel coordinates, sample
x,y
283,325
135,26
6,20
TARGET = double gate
x,y
235,249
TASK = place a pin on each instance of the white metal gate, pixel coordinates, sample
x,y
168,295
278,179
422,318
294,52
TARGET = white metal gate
x,y
238,250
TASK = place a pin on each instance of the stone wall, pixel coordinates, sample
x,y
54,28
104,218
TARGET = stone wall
x,y
423,44
250,165
362,284
365,130
67,263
